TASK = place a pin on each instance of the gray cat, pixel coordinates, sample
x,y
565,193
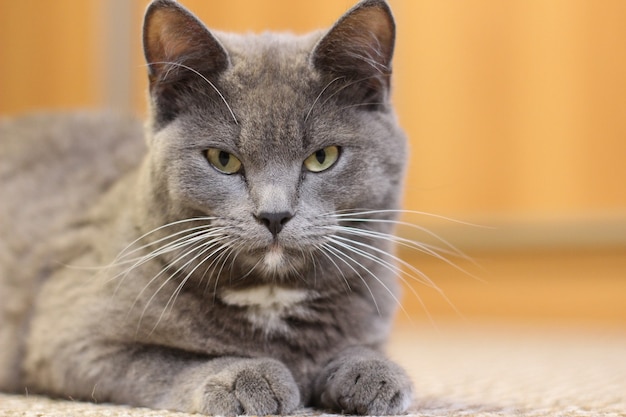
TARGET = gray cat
x,y
241,263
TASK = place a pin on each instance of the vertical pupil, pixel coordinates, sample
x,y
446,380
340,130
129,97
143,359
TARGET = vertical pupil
x,y
224,157
320,156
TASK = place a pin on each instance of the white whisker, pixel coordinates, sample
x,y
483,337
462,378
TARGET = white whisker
x,y
341,256
178,64
369,103
125,253
203,247
325,247
399,272
175,223
117,261
360,212
348,216
174,296
430,250
169,248
225,255
454,249
385,264
343,87
318,97
167,267
177,244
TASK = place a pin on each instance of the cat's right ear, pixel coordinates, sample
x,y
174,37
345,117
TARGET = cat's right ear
x,y
359,49
178,47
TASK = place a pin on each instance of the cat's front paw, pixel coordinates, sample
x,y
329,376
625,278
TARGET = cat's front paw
x,y
252,387
372,386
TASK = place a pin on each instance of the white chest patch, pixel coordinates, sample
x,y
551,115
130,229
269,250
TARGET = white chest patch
x,y
267,305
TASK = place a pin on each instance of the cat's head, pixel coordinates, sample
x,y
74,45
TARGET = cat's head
x,y
274,137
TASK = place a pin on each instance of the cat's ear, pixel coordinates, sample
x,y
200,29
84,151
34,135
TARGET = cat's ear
x,y
359,48
173,36
178,47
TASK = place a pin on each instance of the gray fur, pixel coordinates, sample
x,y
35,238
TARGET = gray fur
x,y
148,277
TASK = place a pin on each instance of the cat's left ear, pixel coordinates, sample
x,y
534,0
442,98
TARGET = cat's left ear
x,y
178,48
359,48
172,35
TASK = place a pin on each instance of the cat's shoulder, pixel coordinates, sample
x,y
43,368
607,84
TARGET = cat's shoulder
x,y
36,140
54,165
65,130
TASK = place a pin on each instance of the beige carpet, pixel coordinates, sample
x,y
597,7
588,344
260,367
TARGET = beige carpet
x,y
467,369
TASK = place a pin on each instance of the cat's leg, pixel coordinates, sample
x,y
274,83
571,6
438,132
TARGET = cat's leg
x,y
363,381
234,386
162,379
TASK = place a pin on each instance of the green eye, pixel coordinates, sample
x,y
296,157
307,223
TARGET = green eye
x,y
323,159
223,161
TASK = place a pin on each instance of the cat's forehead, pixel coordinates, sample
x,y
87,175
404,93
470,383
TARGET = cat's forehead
x,y
270,85
276,64
269,47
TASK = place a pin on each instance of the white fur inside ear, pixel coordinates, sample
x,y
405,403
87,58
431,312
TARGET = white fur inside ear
x,y
268,304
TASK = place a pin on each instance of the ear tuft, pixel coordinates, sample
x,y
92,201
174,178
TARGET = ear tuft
x,y
360,46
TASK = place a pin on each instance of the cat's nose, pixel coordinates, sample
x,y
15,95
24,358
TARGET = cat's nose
x,y
274,221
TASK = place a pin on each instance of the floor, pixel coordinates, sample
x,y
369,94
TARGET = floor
x,y
466,368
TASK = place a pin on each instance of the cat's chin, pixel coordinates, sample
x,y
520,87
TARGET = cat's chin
x,y
275,260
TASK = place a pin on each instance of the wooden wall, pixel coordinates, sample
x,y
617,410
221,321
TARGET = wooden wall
x,y
50,54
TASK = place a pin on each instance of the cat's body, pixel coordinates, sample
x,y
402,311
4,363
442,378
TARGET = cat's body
x,y
243,264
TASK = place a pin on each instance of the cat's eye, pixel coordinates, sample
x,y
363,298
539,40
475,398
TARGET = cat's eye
x,y
223,161
323,159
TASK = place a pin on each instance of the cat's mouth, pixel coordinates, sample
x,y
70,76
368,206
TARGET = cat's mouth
x,y
274,257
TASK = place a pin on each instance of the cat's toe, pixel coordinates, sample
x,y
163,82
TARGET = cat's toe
x,y
260,387
369,387
267,389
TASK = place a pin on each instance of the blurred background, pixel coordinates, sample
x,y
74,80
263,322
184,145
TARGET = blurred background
x,y
515,110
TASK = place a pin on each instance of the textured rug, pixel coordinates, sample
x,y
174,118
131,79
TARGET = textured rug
x,y
465,370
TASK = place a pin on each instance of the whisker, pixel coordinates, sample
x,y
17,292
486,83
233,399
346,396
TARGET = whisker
x,y
370,103
318,97
343,87
192,236
421,247
170,247
379,67
227,250
124,253
389,266
176,293
360,212
340,255
420,276
231,249
238,248
327,248
178,64
246,275
456,251
203,247
314,263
